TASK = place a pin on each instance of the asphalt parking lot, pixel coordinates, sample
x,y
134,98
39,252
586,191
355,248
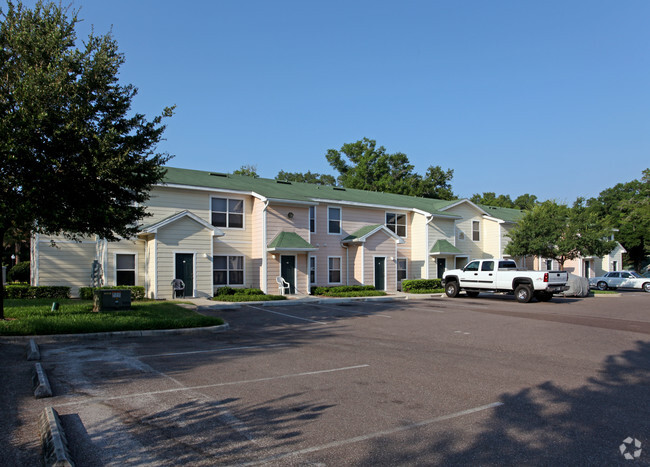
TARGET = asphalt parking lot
x,y
485,381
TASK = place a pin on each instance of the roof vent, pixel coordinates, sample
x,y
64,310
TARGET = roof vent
x,y
338,188
218,174
284,182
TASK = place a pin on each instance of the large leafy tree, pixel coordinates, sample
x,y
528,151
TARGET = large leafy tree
x,y
308,177
74,159
556,231
365,166
489,198
626,208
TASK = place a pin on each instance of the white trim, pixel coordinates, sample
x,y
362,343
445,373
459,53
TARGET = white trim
x,y
340,258
194,278
405,258
155,265
374,269
427,266
490,218
228,284
379,228
185,213
479,230
125,252
340,232
243,212
363,265
37,252
265,262
289,250
292,202
461,202
381,206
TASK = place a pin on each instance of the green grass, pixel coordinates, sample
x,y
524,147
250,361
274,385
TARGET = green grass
x,y
604,292
34,317
426,291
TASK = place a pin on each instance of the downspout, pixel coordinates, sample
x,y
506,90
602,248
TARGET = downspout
x,y
429,218
264,252
155,266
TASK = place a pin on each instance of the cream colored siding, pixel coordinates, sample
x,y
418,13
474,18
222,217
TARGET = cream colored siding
x,y
491,237
258,249
376,245
418,254
150,267
136,247
68,263
184,236
356,264
251,274
464,226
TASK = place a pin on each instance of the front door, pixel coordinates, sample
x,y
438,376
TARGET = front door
x,y
185,271
380,273
442,266
587,269
288,271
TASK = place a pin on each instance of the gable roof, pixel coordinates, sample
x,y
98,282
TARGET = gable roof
x,y
290,241
442,247
309,193
153,228
363,233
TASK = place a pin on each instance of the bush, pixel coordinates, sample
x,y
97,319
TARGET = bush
x,y
221,291
243,297
358,293
340,289
420,285
43,291
137,291
19,273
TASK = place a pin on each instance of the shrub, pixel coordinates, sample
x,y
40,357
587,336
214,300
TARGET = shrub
x,y
340,289
242,297
358,293
137,291
225,291
418,285
19,273
43,291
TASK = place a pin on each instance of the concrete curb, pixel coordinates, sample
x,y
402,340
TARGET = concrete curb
x,y
109,335
42,386
32,351
53,440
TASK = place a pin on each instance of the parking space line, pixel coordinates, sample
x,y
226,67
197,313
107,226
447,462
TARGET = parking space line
x,y
289,316
378,434
226,349
208,386
338,308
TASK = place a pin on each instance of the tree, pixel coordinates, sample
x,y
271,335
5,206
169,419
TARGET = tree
x,y
372,168
73,159
489,198
316,178
248,170
525,202
555,231
626,208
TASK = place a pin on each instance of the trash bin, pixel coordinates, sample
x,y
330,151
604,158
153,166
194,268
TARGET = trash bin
x,y
111,299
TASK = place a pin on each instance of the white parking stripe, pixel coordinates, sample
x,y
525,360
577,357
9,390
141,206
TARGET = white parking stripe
x,y
378,434
207,386
226,349
338,308
284,314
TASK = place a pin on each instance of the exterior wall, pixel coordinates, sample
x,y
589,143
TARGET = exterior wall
x,y
254,266
440,229
184,236
150,267
67,263
418,254
380,245
491,238
356,255
136,247
463,233
301,275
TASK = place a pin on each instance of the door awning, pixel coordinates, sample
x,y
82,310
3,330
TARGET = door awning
x,y
443,247
290,242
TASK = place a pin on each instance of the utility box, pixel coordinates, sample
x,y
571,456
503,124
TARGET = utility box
x,y
111,299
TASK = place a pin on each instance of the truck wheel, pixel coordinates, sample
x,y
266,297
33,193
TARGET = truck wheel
x,y
523,294
472,294
451,289
646,287
602,285
544,296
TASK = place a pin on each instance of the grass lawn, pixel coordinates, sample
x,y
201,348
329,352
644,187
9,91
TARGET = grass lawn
x,y
34,317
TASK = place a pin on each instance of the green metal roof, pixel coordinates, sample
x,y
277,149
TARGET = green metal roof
x,y
362,232
309,192
444,247
290,241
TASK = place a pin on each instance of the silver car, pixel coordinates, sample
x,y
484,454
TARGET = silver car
x,y
620,279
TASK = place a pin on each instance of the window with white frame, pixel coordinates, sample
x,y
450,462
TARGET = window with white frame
x,y
549,264
227,213
312,219
396,223
334,220
125,269
312,269
476,231
401,269
228,270
334,270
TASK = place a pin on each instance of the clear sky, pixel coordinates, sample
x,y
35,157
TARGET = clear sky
x,y
545,97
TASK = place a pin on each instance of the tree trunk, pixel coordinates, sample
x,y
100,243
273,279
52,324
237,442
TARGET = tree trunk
x,y
2,285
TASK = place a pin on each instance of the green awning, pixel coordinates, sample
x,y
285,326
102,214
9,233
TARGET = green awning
x,y
364,232
443,247
290,241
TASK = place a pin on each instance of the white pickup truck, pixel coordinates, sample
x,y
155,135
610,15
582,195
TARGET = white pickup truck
x,y
502,275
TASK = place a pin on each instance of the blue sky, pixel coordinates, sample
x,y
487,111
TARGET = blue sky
x,y
550,98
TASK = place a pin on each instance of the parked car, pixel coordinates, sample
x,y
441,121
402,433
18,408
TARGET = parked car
x,y
620,279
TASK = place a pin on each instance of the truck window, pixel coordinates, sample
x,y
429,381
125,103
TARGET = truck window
x,y
473,266
507,265
487,266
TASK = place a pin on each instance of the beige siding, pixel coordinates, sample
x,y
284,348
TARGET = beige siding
x,y
464,240
136,247
491,238
258,249
418,253
68,263
150,267
377,245
356,264
251,267
184,236
277,220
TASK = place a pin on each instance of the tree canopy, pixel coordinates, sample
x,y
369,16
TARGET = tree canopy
x,y
248,170
365,166
308,177
490,198
74,159
556,231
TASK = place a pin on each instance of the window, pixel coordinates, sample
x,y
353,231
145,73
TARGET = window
x,y
473,266
312,219
334,270
615,265
476,231
124,269
549,264
312,269
228,213
228,270
396,223
487,266
401,269
334,220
